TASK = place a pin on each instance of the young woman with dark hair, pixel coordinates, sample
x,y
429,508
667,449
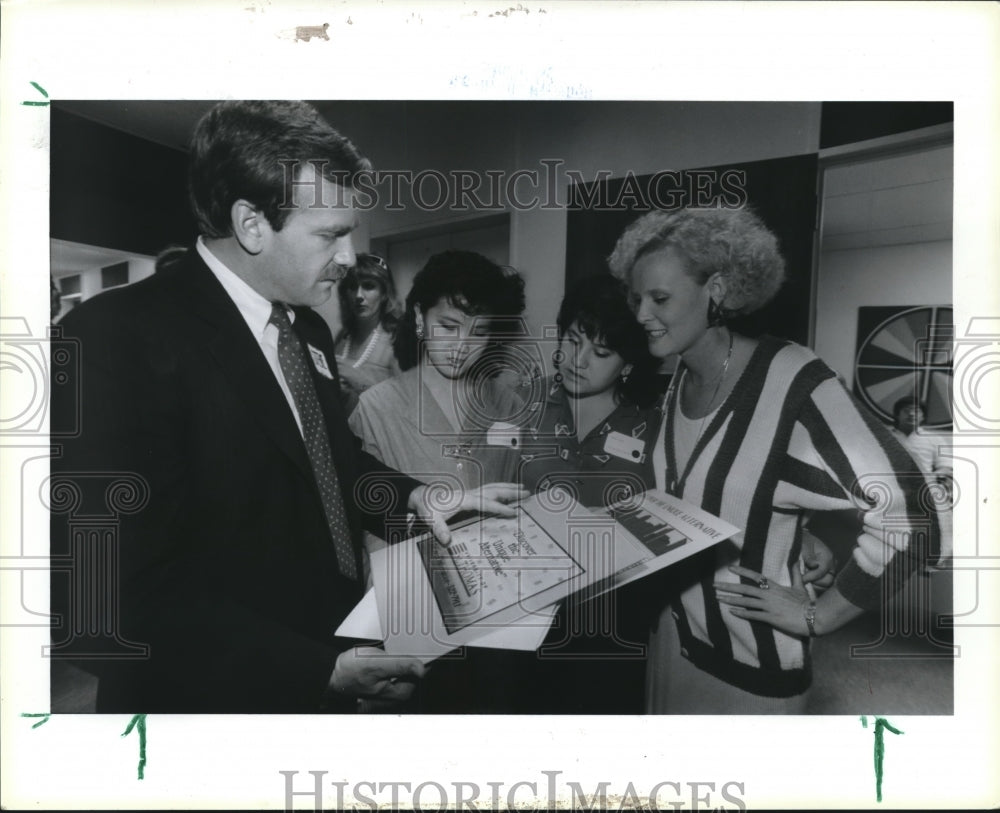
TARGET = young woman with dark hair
x,y
447,418
590,433
593,424
446,413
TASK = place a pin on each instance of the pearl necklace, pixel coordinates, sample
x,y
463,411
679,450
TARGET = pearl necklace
x,y
366,353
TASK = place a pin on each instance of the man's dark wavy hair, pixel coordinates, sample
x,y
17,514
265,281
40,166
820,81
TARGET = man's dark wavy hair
x,y
240,150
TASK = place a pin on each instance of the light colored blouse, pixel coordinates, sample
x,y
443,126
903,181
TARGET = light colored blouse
x,y
400,422
375,364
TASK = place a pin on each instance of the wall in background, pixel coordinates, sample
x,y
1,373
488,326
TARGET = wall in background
x,y
886,240
108,186
76,269
585,137
112,189
911,274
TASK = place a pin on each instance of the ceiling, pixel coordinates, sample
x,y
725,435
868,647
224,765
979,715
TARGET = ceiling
x,y
889,200
74,258
863,200
169,123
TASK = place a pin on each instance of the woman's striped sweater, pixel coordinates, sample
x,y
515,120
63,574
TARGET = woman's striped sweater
x,y
789,440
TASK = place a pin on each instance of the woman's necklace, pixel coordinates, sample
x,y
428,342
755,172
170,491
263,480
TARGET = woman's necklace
x,y
366,353
715,392
701,428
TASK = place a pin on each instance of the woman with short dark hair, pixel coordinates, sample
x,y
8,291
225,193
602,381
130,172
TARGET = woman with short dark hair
x,y
448,418
604,388
446,413
590,431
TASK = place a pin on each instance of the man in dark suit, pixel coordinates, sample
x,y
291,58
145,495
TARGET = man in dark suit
x,y
211,388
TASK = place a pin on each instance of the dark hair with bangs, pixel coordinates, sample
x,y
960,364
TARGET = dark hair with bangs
x,y
470,282
599,307
240,150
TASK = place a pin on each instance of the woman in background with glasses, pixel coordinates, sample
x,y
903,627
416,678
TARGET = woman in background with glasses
x,y
369,313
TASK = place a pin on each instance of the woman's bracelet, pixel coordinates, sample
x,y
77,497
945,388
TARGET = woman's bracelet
x,y
810,613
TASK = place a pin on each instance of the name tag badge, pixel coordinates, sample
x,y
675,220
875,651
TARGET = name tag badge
x,y
319,361
619,445
503,434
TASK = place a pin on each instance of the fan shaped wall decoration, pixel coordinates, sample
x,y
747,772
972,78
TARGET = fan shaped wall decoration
x,y
905,351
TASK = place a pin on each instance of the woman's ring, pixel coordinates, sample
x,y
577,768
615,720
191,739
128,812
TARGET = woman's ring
x,y
763,584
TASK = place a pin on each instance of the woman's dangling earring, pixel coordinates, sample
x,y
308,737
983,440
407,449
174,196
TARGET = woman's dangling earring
x,y
420,328
716,314
626,372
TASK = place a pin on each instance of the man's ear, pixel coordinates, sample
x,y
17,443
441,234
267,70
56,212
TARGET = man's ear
x,y
250,227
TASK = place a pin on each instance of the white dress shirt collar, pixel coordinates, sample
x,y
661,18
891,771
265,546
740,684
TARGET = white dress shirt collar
x,y
256,310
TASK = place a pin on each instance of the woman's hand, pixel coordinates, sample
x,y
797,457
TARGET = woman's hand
x,y
781,607
489,499
819,565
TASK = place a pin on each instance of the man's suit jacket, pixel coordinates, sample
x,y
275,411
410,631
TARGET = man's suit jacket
x,y
228,572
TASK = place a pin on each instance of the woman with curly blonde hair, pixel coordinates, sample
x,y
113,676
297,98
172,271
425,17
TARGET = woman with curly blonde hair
x,y
760,432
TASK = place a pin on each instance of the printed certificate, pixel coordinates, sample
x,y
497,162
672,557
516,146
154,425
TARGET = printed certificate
x,y
493,565
508,573
669,530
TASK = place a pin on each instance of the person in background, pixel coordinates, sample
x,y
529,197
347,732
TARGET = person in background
x,y
931,452
925,448
759,432
169,256
369,313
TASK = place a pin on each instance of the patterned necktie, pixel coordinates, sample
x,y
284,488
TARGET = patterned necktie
x,y
299,379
